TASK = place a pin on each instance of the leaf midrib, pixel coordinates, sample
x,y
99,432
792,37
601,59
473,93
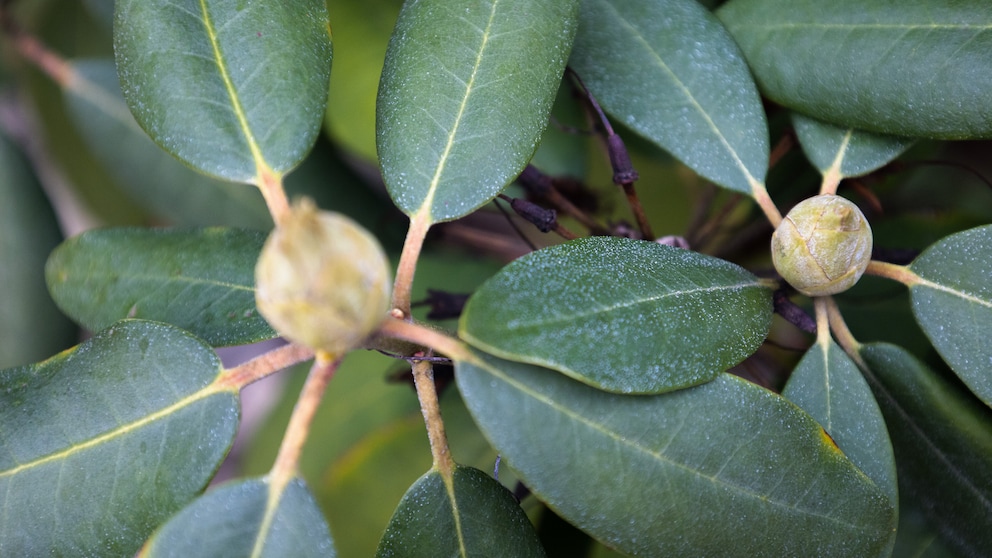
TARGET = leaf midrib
x,y
256,152
167,279
114,433
622,440
926,283
452,135
591,312
636,34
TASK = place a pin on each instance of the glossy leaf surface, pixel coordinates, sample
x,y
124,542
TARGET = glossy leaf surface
x,y
622,315
149,175
670,71
953,304
231,88
102,443
473,516
828,385
464,98
200,280
246,518
942,438
915,69
688,473
31,326
845,151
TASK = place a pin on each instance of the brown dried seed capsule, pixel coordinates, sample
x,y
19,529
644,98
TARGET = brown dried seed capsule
x,y
823,245
322,280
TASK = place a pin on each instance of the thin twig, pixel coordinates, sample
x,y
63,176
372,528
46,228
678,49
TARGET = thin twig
x,y
403,285
423,379
841,332
263,365
287,461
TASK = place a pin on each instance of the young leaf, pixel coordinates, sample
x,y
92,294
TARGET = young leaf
x,y
472,515
149,175
670,71
910,69
464,98
828,385
200,280
246,518
845,151
101,443
31,326
687,473
953,304
233,89
942,439
622,315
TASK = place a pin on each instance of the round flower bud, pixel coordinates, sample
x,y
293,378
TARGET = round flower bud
x,y
322,280
823,245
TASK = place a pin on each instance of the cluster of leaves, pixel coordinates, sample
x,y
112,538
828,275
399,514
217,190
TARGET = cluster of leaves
x,y
597,368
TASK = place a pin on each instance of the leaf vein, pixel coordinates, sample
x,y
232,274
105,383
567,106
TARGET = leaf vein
x,y
687,93
545,321
452,135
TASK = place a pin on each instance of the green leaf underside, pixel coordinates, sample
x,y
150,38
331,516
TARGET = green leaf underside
x,y
912,69
246,518
464,98
828,385
696,100
943,444
31,326
622,315
227,86
152,176
725,465
474,516
954,304
202,280
851,152
102,443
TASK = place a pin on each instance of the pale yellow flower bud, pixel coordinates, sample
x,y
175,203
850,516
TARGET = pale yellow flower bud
x,y
322,280
823,245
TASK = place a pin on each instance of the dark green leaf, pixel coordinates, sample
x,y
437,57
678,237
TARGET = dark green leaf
x,y
148,174
101,443
200,280
942,439
230,88
465,95
828,385
471,516
622,315
953,304
246,518
31,327
726,467
917,538
669,70
917,69
845,151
